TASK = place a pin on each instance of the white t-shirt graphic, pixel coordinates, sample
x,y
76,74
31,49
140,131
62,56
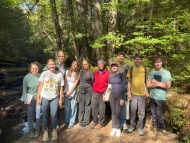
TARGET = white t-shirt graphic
x,y
51,83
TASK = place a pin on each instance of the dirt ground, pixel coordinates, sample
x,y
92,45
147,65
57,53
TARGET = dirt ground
x,y
87,135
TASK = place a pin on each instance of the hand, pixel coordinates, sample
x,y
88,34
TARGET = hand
x,y
154,81
163,85
104,98
147,94
38,101
121,102
68,94
60,102
129,96
26,102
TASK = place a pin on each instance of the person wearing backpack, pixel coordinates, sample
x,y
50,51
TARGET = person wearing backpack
x,y
123,68
159,80
137,92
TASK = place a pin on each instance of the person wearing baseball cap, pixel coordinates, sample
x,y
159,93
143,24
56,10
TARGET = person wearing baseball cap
x,y
117,81
98,106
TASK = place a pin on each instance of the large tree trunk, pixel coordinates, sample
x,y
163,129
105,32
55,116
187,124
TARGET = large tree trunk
x,y
112,25
59,32
97,25
82,9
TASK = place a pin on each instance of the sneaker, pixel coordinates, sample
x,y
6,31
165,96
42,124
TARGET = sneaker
x,y
54,135
70,126
45,136
31,133
125,127
118,132
141,132
37,132
98,126
130,129
160,138
57,127
92,125
113,131
155,134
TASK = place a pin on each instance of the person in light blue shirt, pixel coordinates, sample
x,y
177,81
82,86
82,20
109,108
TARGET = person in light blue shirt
x,y
159,80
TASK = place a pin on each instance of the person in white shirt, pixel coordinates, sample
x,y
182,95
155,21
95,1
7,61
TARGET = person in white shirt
x,y
50,89
70,94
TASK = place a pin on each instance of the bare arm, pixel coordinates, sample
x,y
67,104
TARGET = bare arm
x,y
129,89
153,84
39,91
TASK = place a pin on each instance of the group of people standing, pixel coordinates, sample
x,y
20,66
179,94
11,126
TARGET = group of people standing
x,y
133,84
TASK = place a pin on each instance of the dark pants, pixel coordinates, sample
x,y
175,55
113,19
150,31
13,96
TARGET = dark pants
x,y
98,108
85,105
137,102
31,109
116,111
157,108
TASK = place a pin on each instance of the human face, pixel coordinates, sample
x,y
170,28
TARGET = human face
x,y
74,65
138,61
114,68
158,64
60,57
85,65
120,58
51,65
101,66
34,69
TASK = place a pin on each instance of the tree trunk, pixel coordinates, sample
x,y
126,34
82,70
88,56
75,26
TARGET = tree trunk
x,y
112,25
97,25
59,32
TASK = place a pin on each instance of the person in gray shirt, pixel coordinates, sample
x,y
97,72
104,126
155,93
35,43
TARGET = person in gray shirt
x,y
85,93
123,68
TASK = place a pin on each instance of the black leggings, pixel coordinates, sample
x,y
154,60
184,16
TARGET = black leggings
x,y
116,111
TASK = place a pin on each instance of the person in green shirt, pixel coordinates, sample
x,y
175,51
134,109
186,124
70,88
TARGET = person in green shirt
x,y
30,88
159,80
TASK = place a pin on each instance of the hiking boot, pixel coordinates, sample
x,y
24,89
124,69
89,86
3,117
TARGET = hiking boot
x,y
31,133
98,126
130,129
124,126
118,133
113,131
37,132
92,125
141,132
160,138
45,136
54,135
155,134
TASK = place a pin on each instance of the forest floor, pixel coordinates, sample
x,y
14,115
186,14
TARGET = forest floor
x,y
88,135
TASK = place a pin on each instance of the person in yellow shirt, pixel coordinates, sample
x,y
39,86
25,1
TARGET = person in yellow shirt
x,y
137,93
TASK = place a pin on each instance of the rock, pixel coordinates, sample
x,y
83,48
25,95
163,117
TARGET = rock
x,y
181,103
13,106
1,131
5,114
10,93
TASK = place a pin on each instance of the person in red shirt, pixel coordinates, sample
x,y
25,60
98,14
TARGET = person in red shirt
x,y
100,84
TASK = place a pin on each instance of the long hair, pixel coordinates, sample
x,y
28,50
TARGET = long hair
x,y
72,70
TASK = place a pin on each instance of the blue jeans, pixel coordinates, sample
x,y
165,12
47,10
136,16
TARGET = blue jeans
x,y
46,105
31,109
123,111
70,105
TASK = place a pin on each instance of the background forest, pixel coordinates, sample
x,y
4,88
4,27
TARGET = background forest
x,y
32,30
